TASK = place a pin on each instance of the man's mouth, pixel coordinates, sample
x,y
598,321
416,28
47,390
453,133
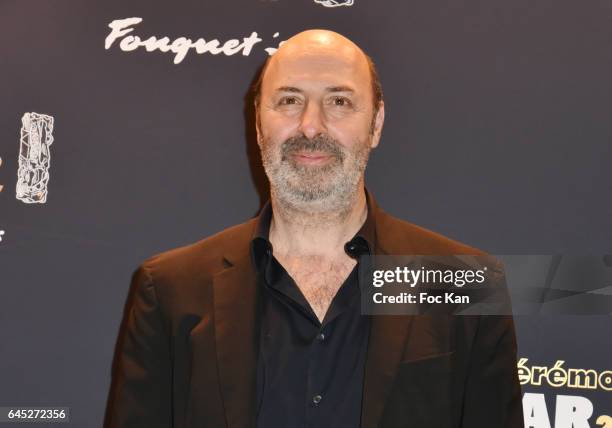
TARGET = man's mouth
x,y
311,158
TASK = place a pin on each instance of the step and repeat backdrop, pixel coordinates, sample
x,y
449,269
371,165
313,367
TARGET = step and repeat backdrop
x,y
127,129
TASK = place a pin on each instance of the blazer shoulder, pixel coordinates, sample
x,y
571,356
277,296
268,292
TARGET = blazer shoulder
x,y
203,257
401,236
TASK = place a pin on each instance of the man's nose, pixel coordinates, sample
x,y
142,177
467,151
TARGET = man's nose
x,y
312,121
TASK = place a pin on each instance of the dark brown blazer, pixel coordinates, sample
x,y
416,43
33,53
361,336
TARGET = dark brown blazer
x,y
187,350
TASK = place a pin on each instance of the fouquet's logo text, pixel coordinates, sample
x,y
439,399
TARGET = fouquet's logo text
x,y
181,46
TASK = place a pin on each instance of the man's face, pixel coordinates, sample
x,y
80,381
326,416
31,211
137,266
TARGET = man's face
x,y
315,122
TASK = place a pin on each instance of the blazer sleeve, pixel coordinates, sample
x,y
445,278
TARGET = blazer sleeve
x,y
493,393
142,381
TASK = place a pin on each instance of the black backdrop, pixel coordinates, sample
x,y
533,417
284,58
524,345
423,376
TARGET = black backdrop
x,y
498,134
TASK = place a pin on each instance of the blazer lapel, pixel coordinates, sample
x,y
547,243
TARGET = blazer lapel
x,y
388,337
236,312
388,333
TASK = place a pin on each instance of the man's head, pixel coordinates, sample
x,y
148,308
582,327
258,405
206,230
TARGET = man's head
x,y
319,113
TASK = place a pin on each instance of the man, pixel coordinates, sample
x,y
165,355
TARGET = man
x,y
260,325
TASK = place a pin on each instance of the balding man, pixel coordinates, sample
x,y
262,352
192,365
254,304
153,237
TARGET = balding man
x,y
261,324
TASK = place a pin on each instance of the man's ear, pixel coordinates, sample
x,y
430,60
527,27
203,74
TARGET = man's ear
x,y
258,125
378,124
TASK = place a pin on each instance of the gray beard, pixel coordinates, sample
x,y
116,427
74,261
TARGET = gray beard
x,y
311,189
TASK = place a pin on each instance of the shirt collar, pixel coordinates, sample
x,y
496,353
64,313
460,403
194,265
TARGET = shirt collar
x,y
261,249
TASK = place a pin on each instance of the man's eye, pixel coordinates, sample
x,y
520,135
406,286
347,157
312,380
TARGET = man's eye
x,y
288,101
341,102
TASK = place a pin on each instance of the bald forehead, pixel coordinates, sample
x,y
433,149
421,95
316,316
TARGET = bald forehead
x,y
317,51
319,42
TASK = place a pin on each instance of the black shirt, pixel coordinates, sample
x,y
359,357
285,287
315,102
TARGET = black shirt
x,y
309,373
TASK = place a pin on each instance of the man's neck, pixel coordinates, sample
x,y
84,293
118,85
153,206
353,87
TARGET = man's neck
x,y
300,233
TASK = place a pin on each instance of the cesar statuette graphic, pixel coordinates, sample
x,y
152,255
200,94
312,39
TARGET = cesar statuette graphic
x,y
34,158
261,324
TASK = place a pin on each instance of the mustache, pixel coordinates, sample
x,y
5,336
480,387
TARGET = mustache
x,y
321,143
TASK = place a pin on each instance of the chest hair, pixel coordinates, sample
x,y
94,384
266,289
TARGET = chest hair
x,y
318,278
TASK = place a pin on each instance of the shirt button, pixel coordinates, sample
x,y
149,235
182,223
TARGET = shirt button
x,y
317,399
320,337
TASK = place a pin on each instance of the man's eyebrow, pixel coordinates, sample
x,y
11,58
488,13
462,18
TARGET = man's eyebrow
x,y
328,89
289,89
339,89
